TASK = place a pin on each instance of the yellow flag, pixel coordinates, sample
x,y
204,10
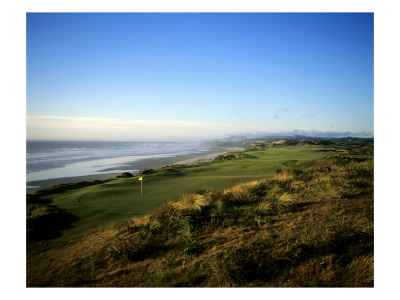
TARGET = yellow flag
x,y
140,178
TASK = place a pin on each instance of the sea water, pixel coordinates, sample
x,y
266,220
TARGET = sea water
x,y
58,159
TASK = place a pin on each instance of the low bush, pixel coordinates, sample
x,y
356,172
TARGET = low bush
x,y
310,224
132,249
227,269
168,218
359,273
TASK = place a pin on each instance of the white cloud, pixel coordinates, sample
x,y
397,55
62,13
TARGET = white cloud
x,y
102,129
78,128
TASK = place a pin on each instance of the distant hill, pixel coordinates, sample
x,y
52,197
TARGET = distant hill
x,y
297,134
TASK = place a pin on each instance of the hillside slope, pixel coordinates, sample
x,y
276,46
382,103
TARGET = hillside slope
x,y
310,224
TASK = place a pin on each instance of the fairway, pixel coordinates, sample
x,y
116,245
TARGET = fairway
x,y
117,200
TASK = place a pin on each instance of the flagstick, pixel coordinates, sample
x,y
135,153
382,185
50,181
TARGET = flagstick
x,y
141,187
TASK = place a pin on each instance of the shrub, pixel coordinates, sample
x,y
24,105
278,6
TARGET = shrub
x,y
209,195
125,175
168,218
147,171
226,269
192,202
190,242
351,236
259,189
134,248
243,194
314,233
280,205
360,272
283,180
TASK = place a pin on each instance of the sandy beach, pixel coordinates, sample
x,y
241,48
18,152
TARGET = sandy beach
x,y
152,163
206,157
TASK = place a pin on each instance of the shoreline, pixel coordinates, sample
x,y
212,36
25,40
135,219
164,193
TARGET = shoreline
x,y
149,163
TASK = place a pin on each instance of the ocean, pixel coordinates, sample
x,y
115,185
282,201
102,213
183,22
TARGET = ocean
x,y
59,159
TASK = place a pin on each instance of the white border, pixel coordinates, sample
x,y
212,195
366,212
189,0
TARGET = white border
x,y
13,113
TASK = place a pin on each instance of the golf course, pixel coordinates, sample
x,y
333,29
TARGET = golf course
x,y
273,215
107,203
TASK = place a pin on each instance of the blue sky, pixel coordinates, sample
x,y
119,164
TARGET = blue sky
x,y
191,76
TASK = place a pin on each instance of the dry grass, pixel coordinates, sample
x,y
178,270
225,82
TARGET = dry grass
x,y
192,202
360,272
309,225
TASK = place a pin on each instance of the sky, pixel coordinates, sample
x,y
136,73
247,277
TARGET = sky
x,y
196,76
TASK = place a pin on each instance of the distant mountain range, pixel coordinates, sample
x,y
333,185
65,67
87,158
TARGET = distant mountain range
x,y
296,134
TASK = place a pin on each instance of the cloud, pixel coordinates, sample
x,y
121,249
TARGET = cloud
x,y
81,128
102,129
278,112
306,132
308,115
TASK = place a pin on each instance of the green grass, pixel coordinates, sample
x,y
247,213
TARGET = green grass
x,y
114,201
308,225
